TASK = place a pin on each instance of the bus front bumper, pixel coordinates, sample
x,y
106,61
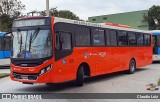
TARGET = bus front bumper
x,y
156,57
34,78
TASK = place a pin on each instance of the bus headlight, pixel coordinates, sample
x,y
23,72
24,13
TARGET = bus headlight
x,y
49,68
42,71
45,69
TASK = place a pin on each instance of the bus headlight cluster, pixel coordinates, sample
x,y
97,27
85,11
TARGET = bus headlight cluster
x,y
45,69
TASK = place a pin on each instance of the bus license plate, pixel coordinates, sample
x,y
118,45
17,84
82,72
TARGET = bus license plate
x,y
24,77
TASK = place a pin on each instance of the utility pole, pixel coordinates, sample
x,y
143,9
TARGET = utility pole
x,y
47,7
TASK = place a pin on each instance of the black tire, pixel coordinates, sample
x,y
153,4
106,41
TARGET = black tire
x,y
132,67
80,76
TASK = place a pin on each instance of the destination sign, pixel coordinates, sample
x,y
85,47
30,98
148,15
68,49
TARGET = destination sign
x,y
28,22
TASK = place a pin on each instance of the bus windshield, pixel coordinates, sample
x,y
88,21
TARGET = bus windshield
x,y
32,44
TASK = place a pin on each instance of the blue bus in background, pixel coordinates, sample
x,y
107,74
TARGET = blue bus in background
x,y
5,45
156,45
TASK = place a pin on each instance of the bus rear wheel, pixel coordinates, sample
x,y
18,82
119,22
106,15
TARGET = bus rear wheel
x,y
132,67
80,76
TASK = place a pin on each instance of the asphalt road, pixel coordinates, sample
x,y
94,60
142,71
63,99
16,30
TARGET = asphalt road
x,y
110,83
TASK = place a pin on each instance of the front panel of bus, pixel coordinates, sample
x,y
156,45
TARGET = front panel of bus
x,y
32,55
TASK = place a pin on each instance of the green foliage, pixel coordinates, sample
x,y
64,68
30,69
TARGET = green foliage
x,y
9,10
61,13
10,7
153,13
5,23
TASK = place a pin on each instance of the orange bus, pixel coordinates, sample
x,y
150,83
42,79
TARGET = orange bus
x,y
54,50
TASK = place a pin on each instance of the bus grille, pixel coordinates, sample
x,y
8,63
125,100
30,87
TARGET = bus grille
x,y
25,77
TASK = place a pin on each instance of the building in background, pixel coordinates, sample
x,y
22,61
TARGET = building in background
x,y
134,19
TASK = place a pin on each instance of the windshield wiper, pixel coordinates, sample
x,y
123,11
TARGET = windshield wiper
x,y
33,37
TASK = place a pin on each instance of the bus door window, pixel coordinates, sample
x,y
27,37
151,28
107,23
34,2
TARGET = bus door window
x,y
64,41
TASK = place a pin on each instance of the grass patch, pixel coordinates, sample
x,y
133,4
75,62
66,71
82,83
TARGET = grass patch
x,y
3,75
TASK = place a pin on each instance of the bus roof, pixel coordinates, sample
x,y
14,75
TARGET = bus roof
x,y
2,34
155,32
102,25
30,17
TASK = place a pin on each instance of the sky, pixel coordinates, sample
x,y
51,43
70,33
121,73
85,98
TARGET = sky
x,y
88,8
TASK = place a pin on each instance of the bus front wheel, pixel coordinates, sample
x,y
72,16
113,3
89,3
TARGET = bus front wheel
x,y
80,76
132,67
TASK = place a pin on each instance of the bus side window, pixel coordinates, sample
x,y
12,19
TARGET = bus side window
x,y
140,39
113,38
107,37
122,38
98,37
147,39
158,40
7,43
82,36
131,39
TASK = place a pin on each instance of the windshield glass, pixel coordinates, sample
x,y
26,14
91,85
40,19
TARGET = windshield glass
x,y
32,44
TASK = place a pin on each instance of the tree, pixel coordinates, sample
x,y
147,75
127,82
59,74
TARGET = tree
x,y
9,10
5,23
153,17
10,7
61,13
67,14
